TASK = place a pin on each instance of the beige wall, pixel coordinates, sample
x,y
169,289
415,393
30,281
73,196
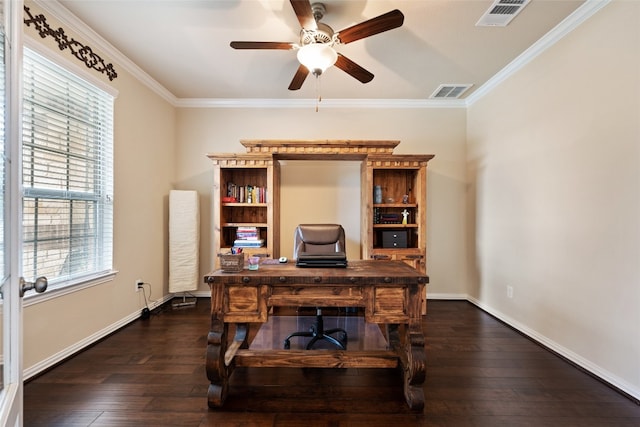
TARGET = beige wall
x,y
331,192
554,202
144,171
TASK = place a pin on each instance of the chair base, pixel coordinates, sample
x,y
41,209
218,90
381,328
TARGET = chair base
x,y
317,333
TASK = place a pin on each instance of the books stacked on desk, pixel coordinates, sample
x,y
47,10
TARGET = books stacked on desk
x,y
248,237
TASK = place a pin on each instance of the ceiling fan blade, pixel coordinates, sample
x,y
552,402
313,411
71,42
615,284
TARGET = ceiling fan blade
x,y
379,24
303,11
299,77
353,69
262,45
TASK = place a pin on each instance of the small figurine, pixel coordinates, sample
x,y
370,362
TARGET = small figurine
x,y
405,199
405,215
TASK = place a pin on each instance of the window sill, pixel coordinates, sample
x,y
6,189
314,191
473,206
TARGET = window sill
x,y
32,298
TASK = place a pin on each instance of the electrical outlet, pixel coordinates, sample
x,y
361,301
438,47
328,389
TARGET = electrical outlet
x,y
139,284
509,291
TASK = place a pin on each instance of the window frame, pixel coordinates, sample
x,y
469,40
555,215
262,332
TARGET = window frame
x,y
84,281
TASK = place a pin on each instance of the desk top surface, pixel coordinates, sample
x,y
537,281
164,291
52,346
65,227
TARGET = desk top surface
x,y
357,272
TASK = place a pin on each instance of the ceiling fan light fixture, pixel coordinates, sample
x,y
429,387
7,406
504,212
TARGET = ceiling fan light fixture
x,y
317,57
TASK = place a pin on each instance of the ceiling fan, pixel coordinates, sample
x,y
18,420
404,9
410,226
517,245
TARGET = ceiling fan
x,y
316,50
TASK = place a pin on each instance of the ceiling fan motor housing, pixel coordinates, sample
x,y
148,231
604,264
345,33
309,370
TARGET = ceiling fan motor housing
x,y
323,35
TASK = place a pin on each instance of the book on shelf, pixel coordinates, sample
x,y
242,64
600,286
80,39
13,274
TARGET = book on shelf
x,y
242,243
245,236
247,233
248,236
247,193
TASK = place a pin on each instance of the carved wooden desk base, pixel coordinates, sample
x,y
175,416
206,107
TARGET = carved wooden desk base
x,y
390,292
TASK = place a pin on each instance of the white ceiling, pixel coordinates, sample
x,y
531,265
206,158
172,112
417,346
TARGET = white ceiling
x,y
184,45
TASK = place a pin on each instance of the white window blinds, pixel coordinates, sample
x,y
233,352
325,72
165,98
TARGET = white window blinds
x,y
67,174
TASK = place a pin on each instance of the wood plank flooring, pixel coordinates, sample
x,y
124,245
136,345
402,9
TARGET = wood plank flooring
x,y
479,373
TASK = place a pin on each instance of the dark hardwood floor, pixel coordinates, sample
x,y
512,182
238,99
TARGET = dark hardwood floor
x,y
479,373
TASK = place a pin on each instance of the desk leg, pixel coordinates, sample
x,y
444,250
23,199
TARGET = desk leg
x,y
412,356
217,371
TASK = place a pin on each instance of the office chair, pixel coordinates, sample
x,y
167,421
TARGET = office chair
x,y
319,239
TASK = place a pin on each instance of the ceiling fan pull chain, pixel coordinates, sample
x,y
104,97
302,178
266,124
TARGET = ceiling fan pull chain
x,y
318,96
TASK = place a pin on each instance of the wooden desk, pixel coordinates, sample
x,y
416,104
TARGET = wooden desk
x,y
389,291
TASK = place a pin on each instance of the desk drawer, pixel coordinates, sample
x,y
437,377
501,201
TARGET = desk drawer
x,y
326,296
387,305
245,304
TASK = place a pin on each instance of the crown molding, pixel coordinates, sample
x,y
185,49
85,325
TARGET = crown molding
x,y
570,23
324,104
584,12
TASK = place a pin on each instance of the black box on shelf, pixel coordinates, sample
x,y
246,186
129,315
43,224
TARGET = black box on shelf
x,y
394,239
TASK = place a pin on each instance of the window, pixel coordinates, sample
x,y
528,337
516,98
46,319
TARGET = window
x,y
67,157
2,153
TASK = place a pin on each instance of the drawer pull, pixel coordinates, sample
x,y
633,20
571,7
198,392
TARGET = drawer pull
x,y
282,279
317,279
387,280
246,279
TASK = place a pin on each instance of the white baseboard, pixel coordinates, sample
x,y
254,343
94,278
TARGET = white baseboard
x,y
583,363
447,296
197,294
73,349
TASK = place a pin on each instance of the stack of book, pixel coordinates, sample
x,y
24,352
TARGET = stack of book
x,y
248,237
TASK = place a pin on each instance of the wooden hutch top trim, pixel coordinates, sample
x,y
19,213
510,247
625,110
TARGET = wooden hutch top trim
x,y
262,152
230,160
288,148
396,160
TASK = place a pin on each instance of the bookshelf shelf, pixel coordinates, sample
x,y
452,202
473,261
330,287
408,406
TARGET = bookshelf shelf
x,y
245,224
241,205
395,225
395,205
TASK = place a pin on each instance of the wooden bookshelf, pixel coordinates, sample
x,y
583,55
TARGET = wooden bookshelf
x,y
245,171
403,181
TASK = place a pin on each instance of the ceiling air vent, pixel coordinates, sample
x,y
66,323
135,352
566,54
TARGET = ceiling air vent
x,y
450,91
501,12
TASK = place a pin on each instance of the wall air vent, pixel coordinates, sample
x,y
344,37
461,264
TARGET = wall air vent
x,y
501,12
450,91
